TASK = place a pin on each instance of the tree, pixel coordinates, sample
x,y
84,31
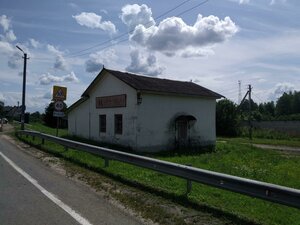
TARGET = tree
x,y
284,104
226,118
1,110
35,117
49,119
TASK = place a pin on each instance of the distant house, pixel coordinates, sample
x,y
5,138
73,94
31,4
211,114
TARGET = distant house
x,y
144,113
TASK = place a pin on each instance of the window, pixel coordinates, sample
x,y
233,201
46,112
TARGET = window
x,y
118,124
102,123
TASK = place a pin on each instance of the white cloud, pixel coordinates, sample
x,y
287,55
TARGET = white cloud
x,y
93,20
144,64
60,62
34,43
133,15
54,50
272,2
4,22
6,48
14,61
278,2
99,59
173,35
280,88
47,95
48,78
70,77
10,36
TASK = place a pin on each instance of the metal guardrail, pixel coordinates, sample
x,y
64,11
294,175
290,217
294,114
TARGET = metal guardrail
x,y
270,192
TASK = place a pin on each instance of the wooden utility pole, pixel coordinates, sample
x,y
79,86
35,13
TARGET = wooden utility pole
x,y
24,88
250,112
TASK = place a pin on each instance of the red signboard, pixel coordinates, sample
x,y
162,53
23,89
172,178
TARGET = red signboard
x,y
111,101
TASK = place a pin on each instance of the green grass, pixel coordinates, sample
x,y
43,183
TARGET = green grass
x,y
45,129
231,157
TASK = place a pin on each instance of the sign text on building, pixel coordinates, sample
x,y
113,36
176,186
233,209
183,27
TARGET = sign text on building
x,y
111,101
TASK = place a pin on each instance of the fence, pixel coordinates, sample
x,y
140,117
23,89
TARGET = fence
x,y
270,192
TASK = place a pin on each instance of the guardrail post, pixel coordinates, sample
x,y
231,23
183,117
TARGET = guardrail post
x,y
33,138
106,162
43,141
188,185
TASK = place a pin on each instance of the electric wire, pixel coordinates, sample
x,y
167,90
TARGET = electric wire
x,y
126,33
76,55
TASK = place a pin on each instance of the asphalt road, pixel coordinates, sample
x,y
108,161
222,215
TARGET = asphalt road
x,y
32,193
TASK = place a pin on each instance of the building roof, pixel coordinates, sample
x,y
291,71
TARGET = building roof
x,y
157,85
150,84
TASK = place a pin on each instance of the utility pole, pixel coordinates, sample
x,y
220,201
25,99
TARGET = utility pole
x,y
240,92
250,112
24,88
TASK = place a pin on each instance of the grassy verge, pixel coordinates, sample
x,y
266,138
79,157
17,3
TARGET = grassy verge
x,y
231,158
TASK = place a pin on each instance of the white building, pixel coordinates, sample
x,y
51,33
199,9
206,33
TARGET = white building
x,y
144,113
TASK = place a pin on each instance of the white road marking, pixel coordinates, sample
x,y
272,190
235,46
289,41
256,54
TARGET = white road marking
x,y
48,194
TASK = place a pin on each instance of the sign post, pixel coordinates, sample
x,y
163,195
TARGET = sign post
x,y
59,95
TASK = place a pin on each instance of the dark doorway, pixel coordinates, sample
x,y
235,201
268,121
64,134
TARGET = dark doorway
x,y
182,126
182,131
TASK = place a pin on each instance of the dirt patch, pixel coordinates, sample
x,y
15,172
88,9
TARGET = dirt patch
x,y
283,149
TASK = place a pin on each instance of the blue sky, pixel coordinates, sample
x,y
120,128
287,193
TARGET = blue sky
x,y
214,43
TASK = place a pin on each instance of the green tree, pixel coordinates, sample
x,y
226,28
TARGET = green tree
x,y
296,102
49,119
35,117
226,118
284,104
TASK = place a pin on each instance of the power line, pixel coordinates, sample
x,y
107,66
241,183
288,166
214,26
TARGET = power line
x,y
95,46
126,33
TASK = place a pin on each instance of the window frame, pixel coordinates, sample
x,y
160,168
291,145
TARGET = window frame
x,y
118,119
102,123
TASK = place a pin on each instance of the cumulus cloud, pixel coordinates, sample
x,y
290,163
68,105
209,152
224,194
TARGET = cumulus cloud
x,y
60,62
133,15
4,22
97,60
144,64
10,36
47,95
54,50
34,43
6,48
48,78
92,20
280,88
173,35
14,61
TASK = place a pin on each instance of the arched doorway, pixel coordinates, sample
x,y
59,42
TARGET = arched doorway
x,y
183,124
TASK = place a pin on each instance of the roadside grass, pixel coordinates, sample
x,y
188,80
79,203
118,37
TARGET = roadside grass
x,y
232,158
45,129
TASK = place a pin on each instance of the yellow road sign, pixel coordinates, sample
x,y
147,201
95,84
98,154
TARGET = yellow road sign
x,y
59,93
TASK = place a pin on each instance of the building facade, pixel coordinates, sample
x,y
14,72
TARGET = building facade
x,y
144,113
